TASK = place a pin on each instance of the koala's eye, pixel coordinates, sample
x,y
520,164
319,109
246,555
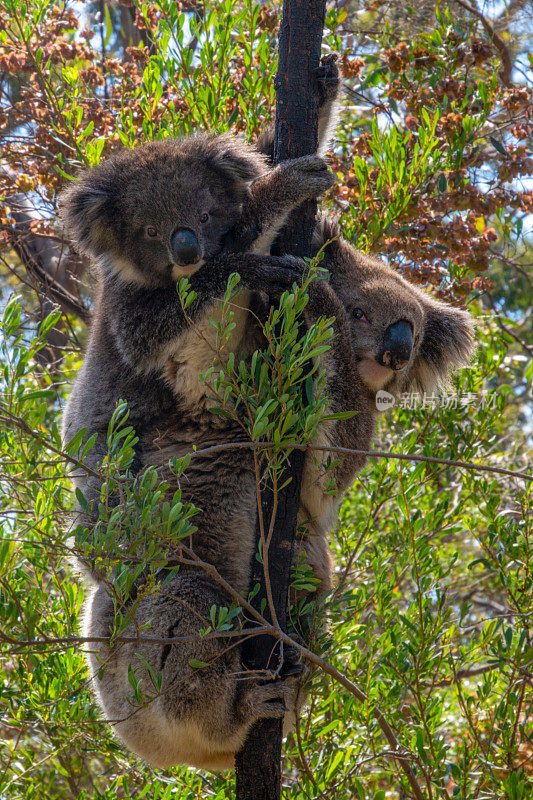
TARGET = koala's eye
x,y
151,232
359,313
204,218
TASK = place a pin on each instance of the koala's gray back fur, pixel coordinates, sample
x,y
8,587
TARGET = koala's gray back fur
x,y
195,718
104,378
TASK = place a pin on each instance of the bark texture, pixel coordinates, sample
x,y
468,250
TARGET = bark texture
x,y
258,764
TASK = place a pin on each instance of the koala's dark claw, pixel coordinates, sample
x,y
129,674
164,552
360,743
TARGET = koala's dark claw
x,y
291,654
292,662
291,670
328,77
299,267
276,278
329,60
273,274
279,280
310,176
264,699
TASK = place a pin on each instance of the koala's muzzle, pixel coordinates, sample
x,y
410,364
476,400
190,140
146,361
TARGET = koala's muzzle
x,y
397,346
185,247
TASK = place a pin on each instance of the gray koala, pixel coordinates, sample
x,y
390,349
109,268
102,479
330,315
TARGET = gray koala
x,y
390,335
148,217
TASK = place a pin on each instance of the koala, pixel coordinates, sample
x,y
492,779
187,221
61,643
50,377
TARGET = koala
x,y
388,334
200,208
148,217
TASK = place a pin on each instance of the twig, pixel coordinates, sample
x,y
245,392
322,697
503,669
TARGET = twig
x,y
7,417
507,64
370,453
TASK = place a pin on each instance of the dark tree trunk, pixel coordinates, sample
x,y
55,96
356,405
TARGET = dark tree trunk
x,y
258,764
297,101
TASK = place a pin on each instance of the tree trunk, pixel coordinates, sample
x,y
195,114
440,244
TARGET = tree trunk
x,y
258,764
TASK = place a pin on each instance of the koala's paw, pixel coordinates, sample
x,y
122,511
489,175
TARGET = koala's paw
x,y
310,176
264,699
293,666
274,274
328,77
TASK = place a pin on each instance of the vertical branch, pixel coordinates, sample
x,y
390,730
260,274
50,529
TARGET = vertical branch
x,y
297,102
258,764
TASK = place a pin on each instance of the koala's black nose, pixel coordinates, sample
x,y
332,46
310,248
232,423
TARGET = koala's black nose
x,y
397,345
185,247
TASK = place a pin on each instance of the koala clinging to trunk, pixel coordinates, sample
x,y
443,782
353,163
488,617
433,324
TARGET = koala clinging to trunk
x,y
148,217
389,335
152,215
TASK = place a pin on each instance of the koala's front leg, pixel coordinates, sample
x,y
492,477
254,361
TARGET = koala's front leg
x,y
273,196
329,86
147,324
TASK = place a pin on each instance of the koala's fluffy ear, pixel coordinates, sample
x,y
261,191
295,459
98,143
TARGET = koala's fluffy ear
x,y
447,344
237,164
82,209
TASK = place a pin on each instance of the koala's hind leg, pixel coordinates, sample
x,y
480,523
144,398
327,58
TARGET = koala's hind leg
x,y
329,85
201,712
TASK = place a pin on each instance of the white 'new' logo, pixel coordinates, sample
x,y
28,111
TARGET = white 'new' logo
x,y
384,400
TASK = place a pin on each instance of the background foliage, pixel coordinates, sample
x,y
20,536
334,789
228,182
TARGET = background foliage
x,y
431,614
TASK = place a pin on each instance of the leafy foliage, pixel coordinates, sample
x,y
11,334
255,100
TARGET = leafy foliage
x,y
431,612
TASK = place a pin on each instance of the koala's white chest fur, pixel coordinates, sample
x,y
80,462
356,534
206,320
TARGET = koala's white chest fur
x,y
319,507
198,348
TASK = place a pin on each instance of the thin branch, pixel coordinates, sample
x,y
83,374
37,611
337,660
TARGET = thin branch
x,y
41,256
75,641
448,462
370,453
461,674
507,64
11,419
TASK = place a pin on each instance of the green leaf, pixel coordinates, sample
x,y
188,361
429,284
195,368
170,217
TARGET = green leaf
x,y
195,664
498,146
